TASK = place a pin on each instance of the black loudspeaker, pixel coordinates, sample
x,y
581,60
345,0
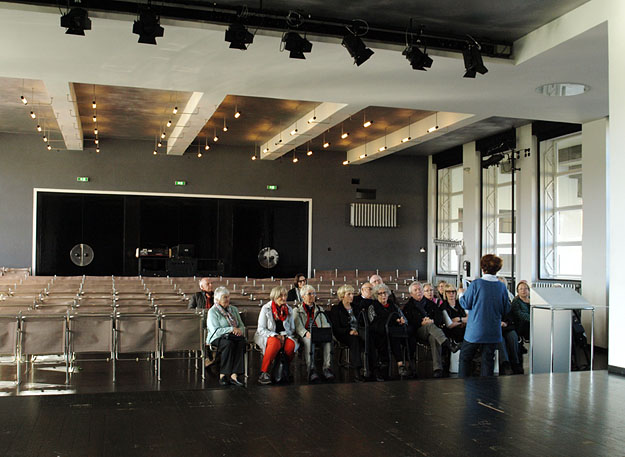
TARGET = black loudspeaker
x,y
182,267
183,250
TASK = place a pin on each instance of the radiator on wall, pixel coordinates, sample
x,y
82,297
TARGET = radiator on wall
x,y
373,215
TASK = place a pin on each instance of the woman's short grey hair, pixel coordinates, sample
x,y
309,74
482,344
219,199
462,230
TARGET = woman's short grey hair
x,y
276,292
381,287
219,293
344,289
305,289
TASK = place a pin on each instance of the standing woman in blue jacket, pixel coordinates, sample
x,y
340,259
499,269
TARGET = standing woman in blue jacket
x,y
486,300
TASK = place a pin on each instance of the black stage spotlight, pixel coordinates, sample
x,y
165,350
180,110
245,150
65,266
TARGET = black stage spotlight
x,y
238,36
493,160
357,49
419,60
297,45
473,61
76,21
148,27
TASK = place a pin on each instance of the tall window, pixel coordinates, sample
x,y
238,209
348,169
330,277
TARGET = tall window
x,y
449,222
497,236
561,208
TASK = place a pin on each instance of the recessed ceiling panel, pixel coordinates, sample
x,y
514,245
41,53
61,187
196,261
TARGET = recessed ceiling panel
x,y
127,112
15,117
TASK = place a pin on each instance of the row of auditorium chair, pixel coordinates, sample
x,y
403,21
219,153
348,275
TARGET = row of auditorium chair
x,y
117,318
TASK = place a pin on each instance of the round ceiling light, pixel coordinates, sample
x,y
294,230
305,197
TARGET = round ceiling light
x,y
562,89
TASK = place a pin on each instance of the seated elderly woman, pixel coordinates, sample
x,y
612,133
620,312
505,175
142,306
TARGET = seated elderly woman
x,y
226,331
275,331
309,316
344,318
428,292
457,315
379,313
521,309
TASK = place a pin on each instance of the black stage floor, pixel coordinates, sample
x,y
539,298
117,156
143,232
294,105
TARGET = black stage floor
x,y
577,414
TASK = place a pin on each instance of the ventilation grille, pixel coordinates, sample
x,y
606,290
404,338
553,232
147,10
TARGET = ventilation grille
x,y
373,215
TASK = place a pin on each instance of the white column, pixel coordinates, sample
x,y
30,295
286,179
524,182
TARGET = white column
x,y
431,224
595,230
526,205
616,186
471,216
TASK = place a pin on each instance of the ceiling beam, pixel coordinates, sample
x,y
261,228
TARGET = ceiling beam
x,y
191,121
65,110
314,123
426,129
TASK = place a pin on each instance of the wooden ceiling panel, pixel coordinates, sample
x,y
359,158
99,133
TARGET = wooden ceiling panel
x,y
127,112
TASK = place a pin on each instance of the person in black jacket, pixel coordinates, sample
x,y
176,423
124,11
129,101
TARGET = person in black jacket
x,y
344,317
203,298
457,315
426,318
366,294
294,295
379,313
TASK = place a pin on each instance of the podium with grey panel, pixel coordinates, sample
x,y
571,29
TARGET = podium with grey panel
x,y
551,326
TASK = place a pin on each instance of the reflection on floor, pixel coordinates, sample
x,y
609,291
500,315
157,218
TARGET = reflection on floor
x,y
577,414
97,376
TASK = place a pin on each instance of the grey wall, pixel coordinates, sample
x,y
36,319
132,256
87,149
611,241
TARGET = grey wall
x,y
130,166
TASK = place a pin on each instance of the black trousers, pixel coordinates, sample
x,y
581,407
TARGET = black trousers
x,y
231,354
381,346
354,342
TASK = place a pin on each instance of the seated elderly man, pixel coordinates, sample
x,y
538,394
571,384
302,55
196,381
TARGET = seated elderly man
x,y
366,293
422,315
203,298
309,316
376,280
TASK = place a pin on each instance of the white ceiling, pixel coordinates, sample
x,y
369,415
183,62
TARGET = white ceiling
x,y
195,58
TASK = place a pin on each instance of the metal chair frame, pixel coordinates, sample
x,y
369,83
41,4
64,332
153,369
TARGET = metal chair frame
x,y
182,314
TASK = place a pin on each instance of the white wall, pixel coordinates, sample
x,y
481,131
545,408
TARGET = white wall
x,y
615,165
595,229
526,204
471,222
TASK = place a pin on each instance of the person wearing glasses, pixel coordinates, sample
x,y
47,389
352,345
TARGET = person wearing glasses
x,y
308,316
457,315
295,295
366,293
428,291
379,313
227,332
426,319
275,331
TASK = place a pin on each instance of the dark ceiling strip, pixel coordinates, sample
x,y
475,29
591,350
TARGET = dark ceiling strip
x,y
256,18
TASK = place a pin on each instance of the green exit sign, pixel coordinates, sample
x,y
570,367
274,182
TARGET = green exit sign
x,y
180,183
272,187
82,178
